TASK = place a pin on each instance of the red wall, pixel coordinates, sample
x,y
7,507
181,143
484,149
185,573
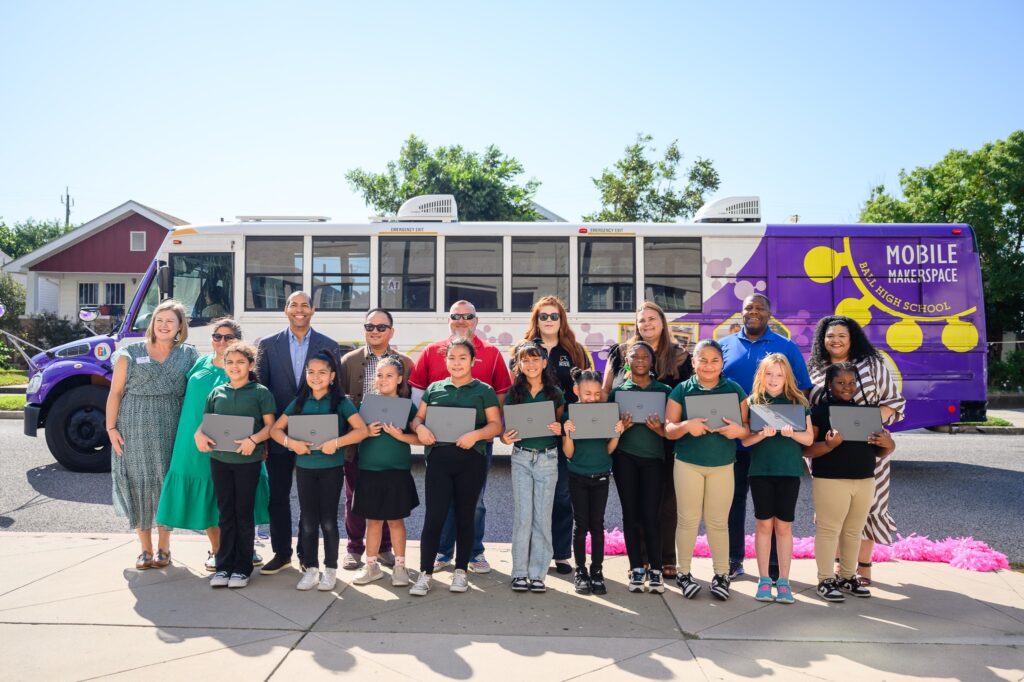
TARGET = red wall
x,y
109,250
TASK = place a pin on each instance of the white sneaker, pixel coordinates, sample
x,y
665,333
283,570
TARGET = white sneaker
x,y
480,565
460,581
327,579
309,579
421,586
351,562
220,579
368,574
238,580
399,576
211,562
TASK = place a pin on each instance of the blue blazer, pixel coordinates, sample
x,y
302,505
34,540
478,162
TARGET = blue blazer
x,y
274,365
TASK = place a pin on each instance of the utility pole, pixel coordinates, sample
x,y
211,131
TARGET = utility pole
x,y
68,203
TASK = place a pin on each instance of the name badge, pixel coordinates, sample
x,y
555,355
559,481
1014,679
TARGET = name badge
x,y
142,360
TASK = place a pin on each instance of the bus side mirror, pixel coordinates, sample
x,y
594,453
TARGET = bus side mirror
x,y
163,281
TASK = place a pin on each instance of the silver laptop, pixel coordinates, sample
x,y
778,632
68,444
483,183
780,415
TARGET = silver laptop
x,y
639,404
778,416
594,420
530,420
378,408
855,422
448,424
313,428
714,407
226,429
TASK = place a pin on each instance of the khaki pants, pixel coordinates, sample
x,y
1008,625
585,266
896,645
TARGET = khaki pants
x,y
841,507
707,492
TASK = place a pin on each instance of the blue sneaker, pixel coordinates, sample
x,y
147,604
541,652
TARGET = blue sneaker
x,y
764,589
783,591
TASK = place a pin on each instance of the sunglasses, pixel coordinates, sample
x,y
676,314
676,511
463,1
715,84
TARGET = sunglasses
x,y
376,327
544,317
223,337
463,316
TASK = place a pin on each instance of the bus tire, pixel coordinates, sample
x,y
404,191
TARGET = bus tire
x,y
76,430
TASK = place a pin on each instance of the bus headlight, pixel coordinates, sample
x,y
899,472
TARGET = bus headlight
x,y
34,383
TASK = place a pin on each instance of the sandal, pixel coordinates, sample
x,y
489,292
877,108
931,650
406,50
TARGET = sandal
x,y
162,559
669,571
865,581
144,561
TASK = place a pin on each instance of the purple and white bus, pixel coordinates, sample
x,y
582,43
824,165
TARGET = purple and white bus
x,y
916,289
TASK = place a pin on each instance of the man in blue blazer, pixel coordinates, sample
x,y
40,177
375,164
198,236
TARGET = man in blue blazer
x,y
280,366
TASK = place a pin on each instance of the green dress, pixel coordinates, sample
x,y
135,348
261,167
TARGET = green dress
x,y
188,499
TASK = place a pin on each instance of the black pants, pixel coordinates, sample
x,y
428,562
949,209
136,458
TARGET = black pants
x,y
319,495
453,475
280,465
235,488
589,499
561,512
667,508
738,516
639,481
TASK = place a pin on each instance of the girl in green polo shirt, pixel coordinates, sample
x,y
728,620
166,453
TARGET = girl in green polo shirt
x,y
703,470
319,467
776,464
236,473
638,463
385,489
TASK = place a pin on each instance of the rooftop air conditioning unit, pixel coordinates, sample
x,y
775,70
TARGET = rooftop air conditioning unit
x,y
730,210
438,208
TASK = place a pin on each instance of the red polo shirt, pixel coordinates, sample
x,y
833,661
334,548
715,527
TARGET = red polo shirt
x,y
488,366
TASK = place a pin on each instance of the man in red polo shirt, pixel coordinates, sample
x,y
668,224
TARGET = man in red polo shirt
x,y
489,367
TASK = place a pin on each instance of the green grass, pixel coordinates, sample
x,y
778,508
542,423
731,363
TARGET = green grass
x,y
12,402
992,421
12,378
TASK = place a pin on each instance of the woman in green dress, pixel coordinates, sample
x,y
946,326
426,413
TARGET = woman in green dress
x,y
142,417
188,499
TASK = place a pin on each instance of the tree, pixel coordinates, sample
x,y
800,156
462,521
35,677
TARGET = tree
x,y
24,237
984,189
12,298
642,190
484,185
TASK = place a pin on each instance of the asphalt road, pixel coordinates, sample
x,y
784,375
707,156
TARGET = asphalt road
x,y
943,486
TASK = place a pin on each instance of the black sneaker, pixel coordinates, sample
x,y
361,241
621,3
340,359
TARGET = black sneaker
x,y
655,584
688,585
829,591
582,580
597,585
720,587
520,584
275,565
636,580
852,586
736,570
537,586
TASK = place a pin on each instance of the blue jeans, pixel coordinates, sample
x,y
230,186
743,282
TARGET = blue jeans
x,y
561,512
534,475
446,548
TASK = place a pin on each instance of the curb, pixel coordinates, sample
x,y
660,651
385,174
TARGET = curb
x,y
12,414
986,430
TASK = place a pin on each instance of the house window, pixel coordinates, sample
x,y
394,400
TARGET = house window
x,y
341,273
88,294
113,294
273,271
540,267
473,272
607,274
408,271
138,241
672,269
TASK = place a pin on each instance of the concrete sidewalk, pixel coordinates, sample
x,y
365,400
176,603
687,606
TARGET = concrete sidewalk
x,y
71,608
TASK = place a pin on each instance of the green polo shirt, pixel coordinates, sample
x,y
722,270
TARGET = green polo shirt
x,y
711,449
541,442
590,457
476,394
317,459
778,455
638,439
252,400
383,453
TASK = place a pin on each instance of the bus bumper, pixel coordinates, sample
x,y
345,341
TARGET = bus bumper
x,y
32,419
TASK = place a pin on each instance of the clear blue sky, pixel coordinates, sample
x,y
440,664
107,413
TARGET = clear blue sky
x,y
211,109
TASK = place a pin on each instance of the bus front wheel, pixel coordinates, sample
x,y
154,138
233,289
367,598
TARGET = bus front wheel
x,y
76,430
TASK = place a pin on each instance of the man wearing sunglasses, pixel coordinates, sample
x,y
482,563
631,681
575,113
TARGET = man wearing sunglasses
x,y
358,377
489,367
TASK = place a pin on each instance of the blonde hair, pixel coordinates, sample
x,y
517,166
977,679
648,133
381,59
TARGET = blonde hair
x,y
759,393
179,311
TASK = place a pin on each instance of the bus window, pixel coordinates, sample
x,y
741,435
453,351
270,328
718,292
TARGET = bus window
x,y
473,272
540,267
273,271
606,275
341,273
672,273
408,268
202,282
146,308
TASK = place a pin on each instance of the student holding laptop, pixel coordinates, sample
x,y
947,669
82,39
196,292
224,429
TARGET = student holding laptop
x,y
456,470
703,473
319,466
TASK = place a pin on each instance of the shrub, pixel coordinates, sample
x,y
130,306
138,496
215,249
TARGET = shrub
x,y
1008,374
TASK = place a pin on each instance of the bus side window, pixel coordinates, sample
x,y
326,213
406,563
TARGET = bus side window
x,y
202,282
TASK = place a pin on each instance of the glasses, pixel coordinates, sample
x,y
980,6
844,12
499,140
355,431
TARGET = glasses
x,y
376,327
223,337
544,317
463,316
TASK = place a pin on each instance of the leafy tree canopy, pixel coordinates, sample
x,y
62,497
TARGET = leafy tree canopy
x,y
20,238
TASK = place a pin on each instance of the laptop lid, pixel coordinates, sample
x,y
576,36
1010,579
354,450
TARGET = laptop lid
x,y
640,404
594,420
226,429
448,424
855,422
778,416
713,407
531,419
386,410
313,428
